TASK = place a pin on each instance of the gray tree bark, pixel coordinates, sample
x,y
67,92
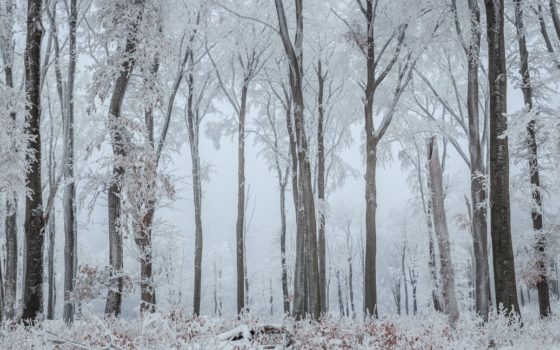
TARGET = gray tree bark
x,y
69,197
536,214
294,52
10,222
193,127
34,220
114,296
442,233
500,225
321,77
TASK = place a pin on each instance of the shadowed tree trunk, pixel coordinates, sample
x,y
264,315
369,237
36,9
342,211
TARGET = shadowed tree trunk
x,y
500,225
478,192
442,233
10,222
536,214
69,198
34,220
193,128
240,226
114,296
294,52
321,188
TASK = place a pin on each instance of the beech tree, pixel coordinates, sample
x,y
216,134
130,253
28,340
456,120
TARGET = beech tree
x,y
500,214
34,220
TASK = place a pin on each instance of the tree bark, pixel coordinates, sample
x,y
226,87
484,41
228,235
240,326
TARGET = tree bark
x,y
240,226
321,188
34,220
10,222
294,54
69,198
478,193
193,128
442,233
536,214
51,224
114,296
500,225
403,271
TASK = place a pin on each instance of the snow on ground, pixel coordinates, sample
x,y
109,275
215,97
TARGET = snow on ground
x,y
178,331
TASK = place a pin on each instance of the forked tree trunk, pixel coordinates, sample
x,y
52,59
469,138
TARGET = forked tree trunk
x,y
34,220
500,225
442,233
478,192
536,214
294,53
114,296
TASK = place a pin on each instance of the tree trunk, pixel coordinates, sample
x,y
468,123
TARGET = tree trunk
x,y
193,126
240,234
370,289
478,193
285,292
299,309
321,188
69,198
502,248
536,214
396,291
114,296
294,54
51,227
403,271
442,233
10,282
10,223
34,221
339,289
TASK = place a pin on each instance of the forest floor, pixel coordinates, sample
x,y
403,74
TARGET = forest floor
x,y
177,331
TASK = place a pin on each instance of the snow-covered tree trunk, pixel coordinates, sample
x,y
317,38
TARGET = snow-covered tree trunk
x,y
51,225
193,128
69,198
294,52
10,221
536,214
34,220
478,192
321,187
442,232
114,296
500,225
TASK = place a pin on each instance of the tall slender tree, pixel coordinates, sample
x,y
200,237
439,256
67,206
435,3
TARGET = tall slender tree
x,y
500,213
10,222
536,213
114,296
34,221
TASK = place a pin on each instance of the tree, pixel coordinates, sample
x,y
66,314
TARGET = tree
x,y
478,192
114,296
442,233
34,221
536,214
294,56
69,199
250,60
10,222
500,225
